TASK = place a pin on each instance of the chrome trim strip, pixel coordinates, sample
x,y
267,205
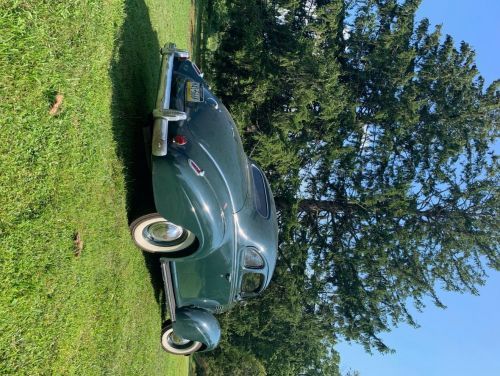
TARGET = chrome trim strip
x,y
169,290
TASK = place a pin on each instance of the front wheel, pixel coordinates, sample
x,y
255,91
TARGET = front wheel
x,y
176,345
154,234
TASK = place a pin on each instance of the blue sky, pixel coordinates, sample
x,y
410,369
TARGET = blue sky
x,y
463,339
476,22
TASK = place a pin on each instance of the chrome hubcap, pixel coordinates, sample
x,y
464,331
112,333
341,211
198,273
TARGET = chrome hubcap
x,y
163,232
177,341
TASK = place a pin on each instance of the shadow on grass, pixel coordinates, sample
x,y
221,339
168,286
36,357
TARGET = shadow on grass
x,y
134,74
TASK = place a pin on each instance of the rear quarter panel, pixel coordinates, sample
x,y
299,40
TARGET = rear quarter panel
x,y
188,200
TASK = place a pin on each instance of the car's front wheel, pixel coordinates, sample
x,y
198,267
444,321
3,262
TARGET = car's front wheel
x,y
175,344
155,234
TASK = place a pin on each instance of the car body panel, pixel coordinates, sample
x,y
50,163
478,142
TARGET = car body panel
x,y
197,325
220,151
262,234
213,143
189,202
205,284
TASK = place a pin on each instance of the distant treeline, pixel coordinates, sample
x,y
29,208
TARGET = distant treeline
x,y
376,133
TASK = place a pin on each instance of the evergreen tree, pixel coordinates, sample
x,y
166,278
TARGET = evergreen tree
x,y
401,194
377,137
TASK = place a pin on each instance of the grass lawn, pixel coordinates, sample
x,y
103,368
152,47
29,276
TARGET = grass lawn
x,y
76,296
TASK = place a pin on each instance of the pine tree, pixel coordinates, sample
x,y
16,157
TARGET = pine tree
x,y
400,191
377,135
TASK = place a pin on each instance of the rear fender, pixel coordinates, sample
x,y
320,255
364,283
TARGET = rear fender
x,y
197,324
187,200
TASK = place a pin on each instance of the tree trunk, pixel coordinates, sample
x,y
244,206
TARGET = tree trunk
x,y
312,205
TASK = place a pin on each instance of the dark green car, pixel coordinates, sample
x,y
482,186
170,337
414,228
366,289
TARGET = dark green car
x,y
215,227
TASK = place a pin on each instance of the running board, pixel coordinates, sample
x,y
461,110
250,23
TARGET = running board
x,y
169,291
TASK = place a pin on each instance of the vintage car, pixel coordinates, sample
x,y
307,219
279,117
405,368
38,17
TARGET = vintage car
x,y
215,228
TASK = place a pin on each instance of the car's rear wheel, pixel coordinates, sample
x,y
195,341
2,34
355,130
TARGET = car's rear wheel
x,y
155,234
175,344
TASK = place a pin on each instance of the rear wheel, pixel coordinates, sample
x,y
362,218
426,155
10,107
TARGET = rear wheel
x,y
175,344
154,234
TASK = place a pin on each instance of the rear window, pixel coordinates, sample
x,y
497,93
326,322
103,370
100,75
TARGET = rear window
x,y
261,200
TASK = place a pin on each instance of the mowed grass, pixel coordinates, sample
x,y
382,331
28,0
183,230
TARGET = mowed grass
x,y
76,296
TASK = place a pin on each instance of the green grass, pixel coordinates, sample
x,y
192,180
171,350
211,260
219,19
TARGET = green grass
x,y
66,310
209,16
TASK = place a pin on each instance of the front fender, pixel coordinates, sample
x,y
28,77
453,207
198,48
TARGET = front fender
x,y
197,324
187,200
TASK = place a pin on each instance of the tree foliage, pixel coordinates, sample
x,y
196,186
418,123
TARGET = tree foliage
x,y
376,133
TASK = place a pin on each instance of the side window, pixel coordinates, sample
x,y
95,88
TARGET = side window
x,y
260,192
251,282
252,259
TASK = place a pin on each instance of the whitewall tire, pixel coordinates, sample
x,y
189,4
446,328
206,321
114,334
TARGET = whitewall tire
x,y
176,345
154,234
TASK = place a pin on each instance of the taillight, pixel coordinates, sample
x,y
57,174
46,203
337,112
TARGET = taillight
x,y
180,140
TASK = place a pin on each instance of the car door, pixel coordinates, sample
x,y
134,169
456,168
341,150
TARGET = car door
x,y
204,282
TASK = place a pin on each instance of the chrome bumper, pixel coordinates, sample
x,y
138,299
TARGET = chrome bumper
x,y
160,125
